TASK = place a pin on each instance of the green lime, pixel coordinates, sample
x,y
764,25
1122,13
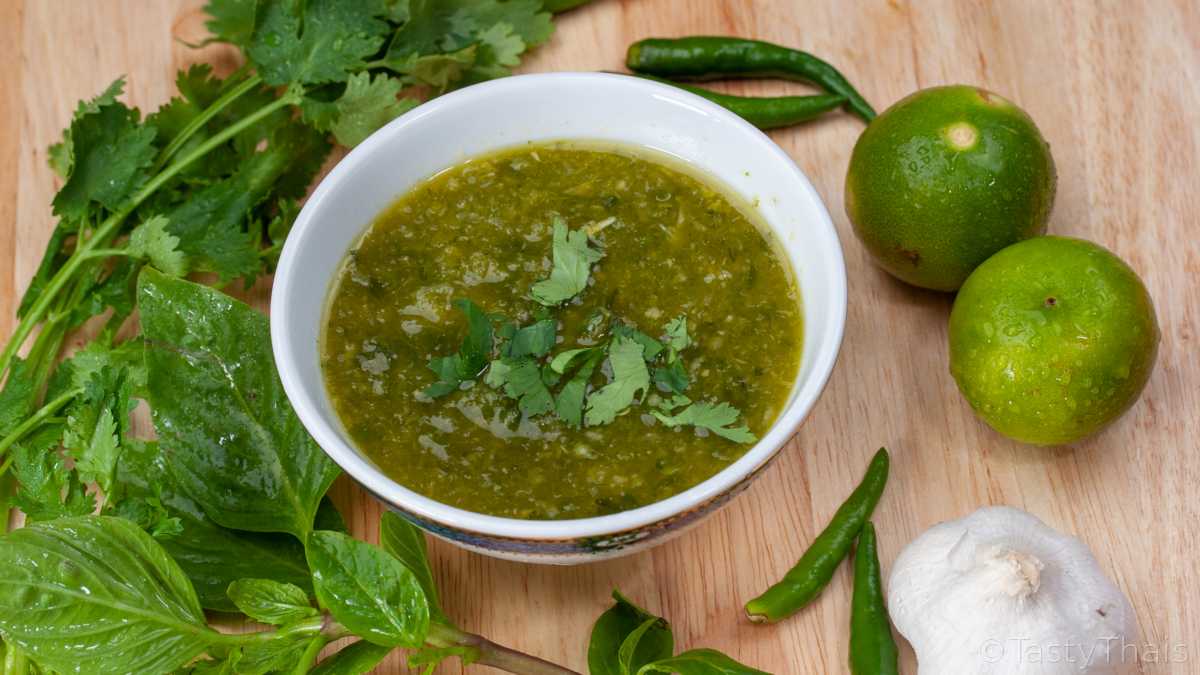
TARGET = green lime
x,y
1051,339
945,178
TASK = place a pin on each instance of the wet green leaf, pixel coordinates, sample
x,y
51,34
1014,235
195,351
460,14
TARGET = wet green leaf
x,y
700,662
270,601
359,658
232,442
612,630
212,556
368,591
136,612
406,542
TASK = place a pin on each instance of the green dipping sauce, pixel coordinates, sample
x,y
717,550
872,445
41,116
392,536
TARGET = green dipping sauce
x,y
672,244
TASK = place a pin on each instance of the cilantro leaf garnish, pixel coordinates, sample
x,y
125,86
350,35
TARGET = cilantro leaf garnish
x,y
521,379
677,336
672,377
472,356
533,340
573,260
629,377
568,405
651,348
563,361
713,417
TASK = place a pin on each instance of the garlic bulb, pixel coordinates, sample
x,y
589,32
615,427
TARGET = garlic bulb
x,y
1001,593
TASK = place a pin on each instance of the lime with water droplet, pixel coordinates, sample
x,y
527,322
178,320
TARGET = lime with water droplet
x,y
945,178
1083,350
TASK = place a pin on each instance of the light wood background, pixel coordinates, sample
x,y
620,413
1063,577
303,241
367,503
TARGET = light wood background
x,y
1113,86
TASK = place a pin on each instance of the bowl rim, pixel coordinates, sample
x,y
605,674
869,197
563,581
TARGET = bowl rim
x,y
398,496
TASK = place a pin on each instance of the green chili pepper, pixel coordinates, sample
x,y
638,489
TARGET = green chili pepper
x,y
766,112
557,6
711,58
805,581
872,649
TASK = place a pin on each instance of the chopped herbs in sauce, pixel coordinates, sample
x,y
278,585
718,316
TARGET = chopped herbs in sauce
x,y
559,331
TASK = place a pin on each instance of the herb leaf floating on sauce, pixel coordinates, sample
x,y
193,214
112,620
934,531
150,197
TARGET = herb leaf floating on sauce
x,y
628,640
569,403
573,260
472,356
523,378
629,378
713,417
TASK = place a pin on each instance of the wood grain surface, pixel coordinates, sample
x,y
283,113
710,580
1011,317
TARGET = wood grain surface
x,y
1114,86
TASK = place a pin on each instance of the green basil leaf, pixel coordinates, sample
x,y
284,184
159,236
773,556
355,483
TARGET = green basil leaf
x,y
212,556
700,662
270,601
273,656
615,626
407,543
632,654
357,659
97,590
368,591
233,443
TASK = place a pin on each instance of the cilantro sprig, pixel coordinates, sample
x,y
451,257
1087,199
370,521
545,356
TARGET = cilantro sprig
x,y
519,362
210,182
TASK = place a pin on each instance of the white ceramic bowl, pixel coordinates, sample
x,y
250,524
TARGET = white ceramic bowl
x,y
546,107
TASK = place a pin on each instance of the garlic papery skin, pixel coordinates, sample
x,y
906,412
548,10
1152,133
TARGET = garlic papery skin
x,y
1001,593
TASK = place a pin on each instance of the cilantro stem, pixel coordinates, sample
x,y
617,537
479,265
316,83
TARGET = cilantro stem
x,y
110,224
197,123
36,420
492,654
45,350
105,252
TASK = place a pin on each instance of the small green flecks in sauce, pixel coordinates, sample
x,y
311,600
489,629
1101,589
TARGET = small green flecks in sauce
x,y
481,230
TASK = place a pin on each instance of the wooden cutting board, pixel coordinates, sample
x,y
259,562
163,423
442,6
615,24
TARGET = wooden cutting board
x,y
1115,87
